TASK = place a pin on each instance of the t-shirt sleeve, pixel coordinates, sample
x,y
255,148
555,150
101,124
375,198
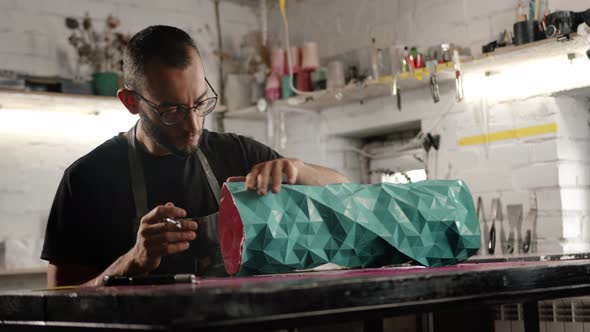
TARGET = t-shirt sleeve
x,y
67,238
257,152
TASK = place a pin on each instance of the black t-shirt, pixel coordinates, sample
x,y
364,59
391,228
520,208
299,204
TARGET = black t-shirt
x,y
93,214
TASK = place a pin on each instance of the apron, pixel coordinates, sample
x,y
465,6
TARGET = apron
x,y
204,254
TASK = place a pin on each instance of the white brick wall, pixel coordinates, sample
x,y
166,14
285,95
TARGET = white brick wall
x,y
514,170
34,37
573,149
37,146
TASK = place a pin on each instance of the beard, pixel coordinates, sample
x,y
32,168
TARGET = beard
x,y
159,136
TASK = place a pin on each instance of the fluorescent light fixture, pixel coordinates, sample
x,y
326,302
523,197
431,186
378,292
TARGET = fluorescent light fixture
x,y
526,79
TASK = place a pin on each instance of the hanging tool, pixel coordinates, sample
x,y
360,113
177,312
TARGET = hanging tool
x,y
396,92
429,141
515,223
483,221
458,76
431,65
530,222
496,215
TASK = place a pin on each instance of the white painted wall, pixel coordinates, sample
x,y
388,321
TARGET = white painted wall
x,y
33,35
348,25
36,145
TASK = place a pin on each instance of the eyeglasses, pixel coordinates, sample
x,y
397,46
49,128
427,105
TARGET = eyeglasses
x,y
173,114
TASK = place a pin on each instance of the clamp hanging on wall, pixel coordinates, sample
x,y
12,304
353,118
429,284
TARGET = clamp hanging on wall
x,y
458,76
396,92
430,141
433,81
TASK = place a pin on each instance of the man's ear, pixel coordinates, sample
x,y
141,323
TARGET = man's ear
x,y
129,100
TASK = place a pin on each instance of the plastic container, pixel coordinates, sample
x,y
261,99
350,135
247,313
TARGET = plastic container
x,y
273,87
105,83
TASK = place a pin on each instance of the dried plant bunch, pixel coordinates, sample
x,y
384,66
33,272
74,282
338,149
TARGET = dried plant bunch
x,y
102,50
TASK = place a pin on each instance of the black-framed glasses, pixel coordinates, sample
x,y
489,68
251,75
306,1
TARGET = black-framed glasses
x,y
173,114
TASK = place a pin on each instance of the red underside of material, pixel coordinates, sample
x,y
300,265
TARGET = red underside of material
x,y
231,232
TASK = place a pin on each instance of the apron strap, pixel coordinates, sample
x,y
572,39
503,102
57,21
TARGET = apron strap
x,y
137,179
213,184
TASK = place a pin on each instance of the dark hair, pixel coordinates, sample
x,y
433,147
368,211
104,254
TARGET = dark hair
x,y
158,43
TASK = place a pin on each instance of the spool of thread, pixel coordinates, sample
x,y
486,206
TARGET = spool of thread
x,y
277,61
311,56
410,63
304,80
420,60
295,60
318,79
523,32
273,87
335,75
286,90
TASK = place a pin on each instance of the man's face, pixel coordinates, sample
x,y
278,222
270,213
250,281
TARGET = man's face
x,y
170,86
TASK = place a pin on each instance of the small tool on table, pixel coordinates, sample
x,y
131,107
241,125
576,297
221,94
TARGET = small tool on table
x,y
156,279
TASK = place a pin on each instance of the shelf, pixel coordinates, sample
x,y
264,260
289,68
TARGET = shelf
x,y
509,56
248,113
501,59
315,102
62,102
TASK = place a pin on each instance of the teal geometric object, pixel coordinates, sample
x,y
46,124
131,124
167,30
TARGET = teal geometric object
x,y
433,223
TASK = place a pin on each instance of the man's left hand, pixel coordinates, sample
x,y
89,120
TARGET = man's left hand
x,y
271,172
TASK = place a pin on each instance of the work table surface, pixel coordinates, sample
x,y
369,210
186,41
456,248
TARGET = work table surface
x,y
239,300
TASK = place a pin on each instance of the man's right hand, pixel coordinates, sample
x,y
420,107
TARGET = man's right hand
x,y
157,238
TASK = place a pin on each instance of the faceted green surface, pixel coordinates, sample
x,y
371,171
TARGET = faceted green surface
x,y
433,223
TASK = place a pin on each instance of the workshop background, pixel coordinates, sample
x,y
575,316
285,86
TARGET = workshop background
x,y
518,132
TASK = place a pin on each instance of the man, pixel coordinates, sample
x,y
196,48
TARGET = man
x,y
110,211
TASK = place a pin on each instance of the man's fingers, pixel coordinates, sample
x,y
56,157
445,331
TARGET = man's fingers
x,y
277,177
174,248
161,212
263,178
161,227
171,248
188,225
251,178
272,171
151,229
291,172
170,237
168,211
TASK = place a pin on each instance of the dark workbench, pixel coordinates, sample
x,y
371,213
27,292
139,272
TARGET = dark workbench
x,y
298,299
